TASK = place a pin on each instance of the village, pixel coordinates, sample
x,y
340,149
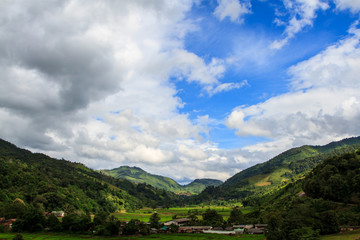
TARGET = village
x,y
181,225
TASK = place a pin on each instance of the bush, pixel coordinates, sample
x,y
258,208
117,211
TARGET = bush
x,y
18,237
131,228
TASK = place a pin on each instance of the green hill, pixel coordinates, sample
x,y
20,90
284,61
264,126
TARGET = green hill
x,y
325,199
137,175
53,184
268,176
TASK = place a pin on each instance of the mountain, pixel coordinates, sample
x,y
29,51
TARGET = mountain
x,y
137,175
278,171
53,184
325,199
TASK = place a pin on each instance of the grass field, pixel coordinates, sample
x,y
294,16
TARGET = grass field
x,y
353,235
182,236
167,214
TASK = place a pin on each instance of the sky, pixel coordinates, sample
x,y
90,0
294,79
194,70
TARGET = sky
x,y
186,89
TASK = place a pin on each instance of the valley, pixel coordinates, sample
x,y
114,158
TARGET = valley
x,y
312,187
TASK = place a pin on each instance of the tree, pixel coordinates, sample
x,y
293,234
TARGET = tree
x,y
236,216
211,217
32,221
306,233
130,228
53,223
274,229
154,220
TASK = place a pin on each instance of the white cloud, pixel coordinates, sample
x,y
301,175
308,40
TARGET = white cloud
x,y
233,9
303,13
225,87
324,104
353,5
89,81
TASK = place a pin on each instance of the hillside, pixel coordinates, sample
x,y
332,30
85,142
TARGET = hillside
x,y
53,184
137,175
325,199
287,166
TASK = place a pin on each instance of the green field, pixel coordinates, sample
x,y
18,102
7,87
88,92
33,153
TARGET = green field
x,y
353,235
198,236
167,214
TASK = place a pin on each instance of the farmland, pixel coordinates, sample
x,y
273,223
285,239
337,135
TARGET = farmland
x,y
167,214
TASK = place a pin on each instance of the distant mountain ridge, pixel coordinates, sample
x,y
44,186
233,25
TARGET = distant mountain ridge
x,y
276,172
138,175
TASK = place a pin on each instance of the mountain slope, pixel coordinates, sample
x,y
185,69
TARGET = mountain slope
x,y
137,175
289,165
325,199
59,184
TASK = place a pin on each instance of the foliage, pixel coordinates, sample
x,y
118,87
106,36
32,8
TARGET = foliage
x,y
236,216
31,221
213,218
154,220
336,179
325,206
130,228
137,175
76,223
50,184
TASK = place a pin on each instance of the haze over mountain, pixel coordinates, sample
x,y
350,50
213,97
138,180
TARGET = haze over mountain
x,y
137,175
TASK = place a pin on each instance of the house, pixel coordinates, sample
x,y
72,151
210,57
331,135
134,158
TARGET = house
x,y
178,222
242,228
58,213
239,230
255,231
261,226
194,229
220,232
7,223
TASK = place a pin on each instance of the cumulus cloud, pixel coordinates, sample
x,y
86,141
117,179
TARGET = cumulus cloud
x,y
303,13
89,81
234,9
322,106
353,5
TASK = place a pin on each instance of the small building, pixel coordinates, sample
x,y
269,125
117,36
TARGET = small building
x,y
178,222
7,223
255,231
220,232
194,229
58,213
261,226
239,230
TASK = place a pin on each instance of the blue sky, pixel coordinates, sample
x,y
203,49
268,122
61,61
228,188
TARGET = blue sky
x,y
186,89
